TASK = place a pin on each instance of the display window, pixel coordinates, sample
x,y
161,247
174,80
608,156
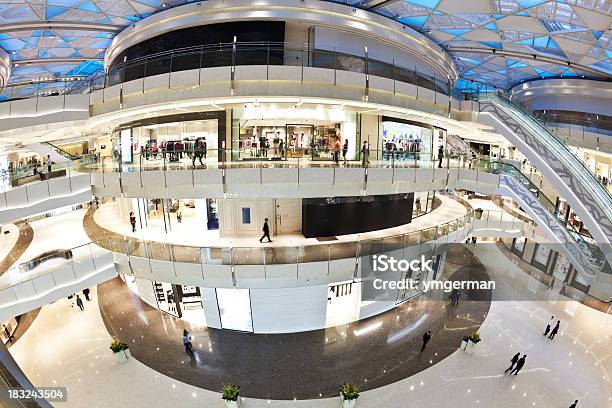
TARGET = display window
x,y
154,144
270,133
404,140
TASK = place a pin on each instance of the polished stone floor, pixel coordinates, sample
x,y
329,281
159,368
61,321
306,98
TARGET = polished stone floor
x,y
17,246
67,347
300,365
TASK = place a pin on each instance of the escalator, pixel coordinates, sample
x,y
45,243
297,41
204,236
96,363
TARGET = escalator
x,y
587,258
576,183
60,151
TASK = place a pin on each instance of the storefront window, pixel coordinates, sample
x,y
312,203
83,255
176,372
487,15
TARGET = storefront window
x,y
181,141
403,140
288,133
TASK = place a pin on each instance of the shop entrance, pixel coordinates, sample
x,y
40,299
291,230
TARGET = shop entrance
x,y
235,309
342,303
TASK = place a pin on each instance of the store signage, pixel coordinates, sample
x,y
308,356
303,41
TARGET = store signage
x,y
252,112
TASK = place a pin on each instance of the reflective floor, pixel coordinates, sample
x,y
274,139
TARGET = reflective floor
x,y
67,347
370,353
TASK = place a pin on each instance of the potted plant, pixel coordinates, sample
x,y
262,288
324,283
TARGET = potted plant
x,y
121,350
231,395
464,342
348,395
473,340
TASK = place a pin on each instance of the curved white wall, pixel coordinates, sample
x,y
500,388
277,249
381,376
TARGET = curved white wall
x,y
288,182
42,196
312,13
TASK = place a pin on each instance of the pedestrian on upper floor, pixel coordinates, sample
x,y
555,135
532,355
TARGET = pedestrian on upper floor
x,y
86,294
133,221
266,231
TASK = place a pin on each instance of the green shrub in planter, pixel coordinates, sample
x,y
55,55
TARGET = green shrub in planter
x,y
475,338
230,392
117,346
349,392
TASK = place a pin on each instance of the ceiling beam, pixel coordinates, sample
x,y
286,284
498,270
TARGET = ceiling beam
x,y
532,57
59,25
376,4
53,60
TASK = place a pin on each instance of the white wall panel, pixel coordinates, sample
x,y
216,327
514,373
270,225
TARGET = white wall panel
x,y
289,310
211,308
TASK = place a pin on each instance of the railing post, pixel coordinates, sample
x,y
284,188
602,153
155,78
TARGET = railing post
x,y
367,76
335,66
393,75
233,68
302,51
144,73
170,68
200,69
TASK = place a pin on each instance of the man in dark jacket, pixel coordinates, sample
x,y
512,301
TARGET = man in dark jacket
x,y
426,338
519,364
266,231
513,361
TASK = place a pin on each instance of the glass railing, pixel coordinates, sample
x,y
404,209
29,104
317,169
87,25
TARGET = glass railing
x,y
60,266
231,55
320,252
64,266
23,174
593,252
583,174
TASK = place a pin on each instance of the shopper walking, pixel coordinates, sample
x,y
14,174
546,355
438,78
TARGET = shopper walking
x,y
513,360
266,231
345,150
440,156
49,163
79,303
519,365
187,342
197,153
547,330
9,336
574,405
455,295
86,294
426,338
365,153
336,151
133,221
555,330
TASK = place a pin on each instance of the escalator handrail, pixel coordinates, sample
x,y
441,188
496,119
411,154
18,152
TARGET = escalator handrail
x,y
607,204
572,231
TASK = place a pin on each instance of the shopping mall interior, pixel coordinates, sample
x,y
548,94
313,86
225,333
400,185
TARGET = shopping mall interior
x,y
368,203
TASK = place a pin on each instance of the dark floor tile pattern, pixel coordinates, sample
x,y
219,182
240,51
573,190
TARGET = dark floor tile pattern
x,y
300,365
26,235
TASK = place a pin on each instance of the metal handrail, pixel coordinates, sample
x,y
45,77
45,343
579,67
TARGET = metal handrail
x,y
309,57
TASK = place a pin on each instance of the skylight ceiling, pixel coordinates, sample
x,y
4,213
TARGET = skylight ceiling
x,y
575,31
